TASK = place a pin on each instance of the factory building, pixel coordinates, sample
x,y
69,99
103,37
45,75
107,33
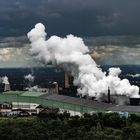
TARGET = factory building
x,y
31,108
5,108
52,82
28,103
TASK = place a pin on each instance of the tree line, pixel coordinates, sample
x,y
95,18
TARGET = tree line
x,y
55,126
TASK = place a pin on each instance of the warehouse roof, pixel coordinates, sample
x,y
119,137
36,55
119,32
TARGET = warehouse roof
x,y
78,101
33,94
64,102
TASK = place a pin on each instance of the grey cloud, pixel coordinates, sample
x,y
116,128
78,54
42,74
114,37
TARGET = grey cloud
x,y
113,50
116,56
79,17
13,42
127,40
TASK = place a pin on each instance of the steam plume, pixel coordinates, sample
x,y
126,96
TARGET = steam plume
x,y
133,75
29,77
34,88
5,80
71,52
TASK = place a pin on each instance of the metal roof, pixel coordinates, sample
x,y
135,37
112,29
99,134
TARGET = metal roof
x,y
78,101
33,94
64,102
125,108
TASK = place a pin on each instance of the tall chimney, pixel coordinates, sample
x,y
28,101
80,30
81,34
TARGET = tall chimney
x,y
66,80
56,87
108,95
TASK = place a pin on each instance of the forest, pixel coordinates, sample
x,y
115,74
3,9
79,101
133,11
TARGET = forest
x,y
56,126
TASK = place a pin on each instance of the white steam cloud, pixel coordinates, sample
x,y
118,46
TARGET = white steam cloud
x,y
133,75
34,88
29,77
5,80
71,52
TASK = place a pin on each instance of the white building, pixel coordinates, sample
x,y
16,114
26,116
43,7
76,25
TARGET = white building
x,y
30,107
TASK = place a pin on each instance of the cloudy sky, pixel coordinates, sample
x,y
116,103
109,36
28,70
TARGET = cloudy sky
x,y
109,27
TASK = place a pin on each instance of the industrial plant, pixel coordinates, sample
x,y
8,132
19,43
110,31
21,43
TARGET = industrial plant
x,y
73,82
61,97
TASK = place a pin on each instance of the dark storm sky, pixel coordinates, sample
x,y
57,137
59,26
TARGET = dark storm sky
x,y
79,17
109,27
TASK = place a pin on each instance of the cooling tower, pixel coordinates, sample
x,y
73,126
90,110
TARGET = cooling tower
x,y
7,87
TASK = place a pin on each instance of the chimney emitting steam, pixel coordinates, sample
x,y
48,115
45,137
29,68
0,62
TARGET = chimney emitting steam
x,y
71,50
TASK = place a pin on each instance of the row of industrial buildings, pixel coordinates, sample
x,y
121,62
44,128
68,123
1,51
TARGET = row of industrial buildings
x,y
58,94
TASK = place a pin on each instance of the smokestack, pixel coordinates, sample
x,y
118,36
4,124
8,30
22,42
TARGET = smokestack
x,y
72,51
108,95
66,80
56,87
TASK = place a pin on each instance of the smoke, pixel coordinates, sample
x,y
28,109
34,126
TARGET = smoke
x,y
120,87
29,77
114,72
133,75
5,80
34,88
71,53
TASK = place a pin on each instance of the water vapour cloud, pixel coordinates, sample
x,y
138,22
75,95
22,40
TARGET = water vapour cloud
x,y
134,75
5,80
71,52
29,77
